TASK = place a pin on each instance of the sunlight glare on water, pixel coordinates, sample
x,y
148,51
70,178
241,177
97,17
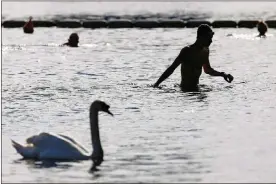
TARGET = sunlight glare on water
x,y
224,133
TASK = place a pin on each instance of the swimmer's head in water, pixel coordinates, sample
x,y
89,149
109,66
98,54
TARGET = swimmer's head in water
x,y
73,40
205,34
262,28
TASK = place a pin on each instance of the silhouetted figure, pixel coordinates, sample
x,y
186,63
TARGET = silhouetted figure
x,y
192,58
73,40
29,27
262,28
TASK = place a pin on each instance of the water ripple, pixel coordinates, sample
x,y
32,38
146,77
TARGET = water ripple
x,y
156,134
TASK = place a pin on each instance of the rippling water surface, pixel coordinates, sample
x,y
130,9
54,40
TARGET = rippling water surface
x,y
224,133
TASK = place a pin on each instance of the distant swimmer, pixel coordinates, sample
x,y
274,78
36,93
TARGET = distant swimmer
x,y
73,40
192,58
29,27
262,28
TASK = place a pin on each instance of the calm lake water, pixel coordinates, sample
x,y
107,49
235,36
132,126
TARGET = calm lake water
x,y
87,10
224,133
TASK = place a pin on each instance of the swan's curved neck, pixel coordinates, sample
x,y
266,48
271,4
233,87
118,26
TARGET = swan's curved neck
x,y
95,135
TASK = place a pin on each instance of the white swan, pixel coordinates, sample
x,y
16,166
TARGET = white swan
x,y
51,146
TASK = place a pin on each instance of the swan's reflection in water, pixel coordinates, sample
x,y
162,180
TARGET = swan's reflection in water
x,y
40,164
170,164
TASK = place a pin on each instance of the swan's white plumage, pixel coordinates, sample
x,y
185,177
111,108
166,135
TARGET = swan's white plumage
x,y
74,142
62,147
52,146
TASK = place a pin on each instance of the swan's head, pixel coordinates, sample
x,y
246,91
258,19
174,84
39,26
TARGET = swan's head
x,y
100,106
